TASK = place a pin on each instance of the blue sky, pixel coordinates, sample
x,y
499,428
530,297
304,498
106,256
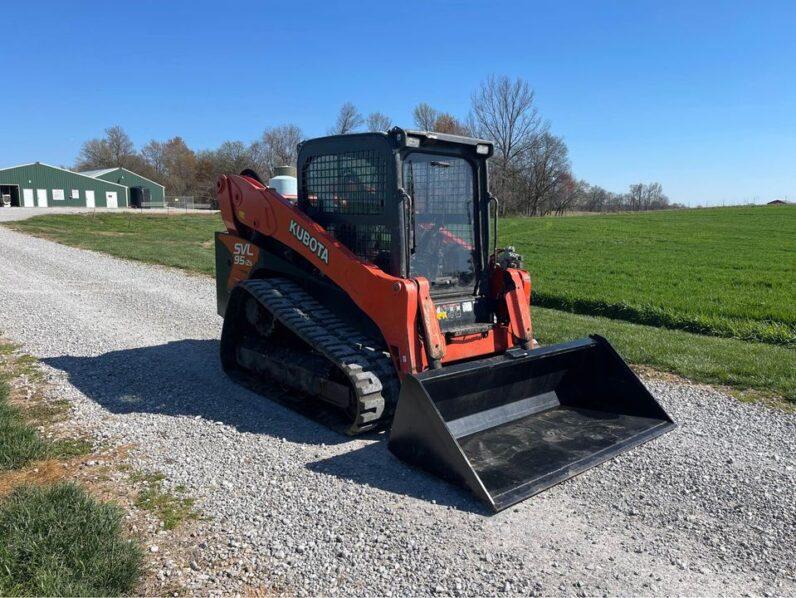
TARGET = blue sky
x,y
699,96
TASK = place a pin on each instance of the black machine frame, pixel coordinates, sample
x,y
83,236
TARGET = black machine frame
x,y
397,215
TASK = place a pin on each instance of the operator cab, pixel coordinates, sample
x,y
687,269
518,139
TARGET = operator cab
x,y
414,203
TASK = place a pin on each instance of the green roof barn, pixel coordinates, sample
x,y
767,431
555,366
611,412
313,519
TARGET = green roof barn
x,y
144,192
42,185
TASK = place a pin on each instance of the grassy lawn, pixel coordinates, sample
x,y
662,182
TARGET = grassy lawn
x,y
59,541
20,444
722,271
184,241
653,274
766,368
55,539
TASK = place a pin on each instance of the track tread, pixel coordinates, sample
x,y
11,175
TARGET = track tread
x,y
370,370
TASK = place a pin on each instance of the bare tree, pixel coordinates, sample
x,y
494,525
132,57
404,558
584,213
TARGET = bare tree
x,y
654,198
447,123
503,111
207,173
635,197
94,153
616,202
646,197
428,118
232,157
119,144
283,143
425,117
278,146
591,198
173,164
115,149
348,120
565,194
152,153
378,122
546,166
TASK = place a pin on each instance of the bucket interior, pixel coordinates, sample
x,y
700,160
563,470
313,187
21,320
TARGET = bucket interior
x,y
525,424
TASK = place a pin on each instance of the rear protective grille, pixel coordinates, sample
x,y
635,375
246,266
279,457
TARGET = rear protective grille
x,y
351,183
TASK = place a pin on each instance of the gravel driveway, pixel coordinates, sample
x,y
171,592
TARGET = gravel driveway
x,y
707,509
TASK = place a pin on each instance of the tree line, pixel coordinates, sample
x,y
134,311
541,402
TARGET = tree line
x,y
531,173
186,172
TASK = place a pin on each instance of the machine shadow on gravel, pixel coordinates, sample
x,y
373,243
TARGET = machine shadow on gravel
x,y
184,378
373,465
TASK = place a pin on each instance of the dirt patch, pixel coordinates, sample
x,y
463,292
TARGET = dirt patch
x,y
38,473
649,373
112,233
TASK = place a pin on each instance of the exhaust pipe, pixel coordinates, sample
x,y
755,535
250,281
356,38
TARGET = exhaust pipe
x,y
508,427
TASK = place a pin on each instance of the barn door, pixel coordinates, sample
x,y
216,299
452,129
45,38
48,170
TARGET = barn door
x,y
111,200
90,198
41,198
27,198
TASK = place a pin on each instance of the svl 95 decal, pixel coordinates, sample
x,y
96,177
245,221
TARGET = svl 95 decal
x,y
243,257
243,254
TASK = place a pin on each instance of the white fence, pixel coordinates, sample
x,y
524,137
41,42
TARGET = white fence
x,y
184,203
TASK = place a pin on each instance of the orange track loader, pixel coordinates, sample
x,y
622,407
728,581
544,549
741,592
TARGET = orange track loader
x,y
380,298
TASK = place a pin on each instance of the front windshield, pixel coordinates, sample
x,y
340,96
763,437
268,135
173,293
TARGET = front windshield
x,y
441,188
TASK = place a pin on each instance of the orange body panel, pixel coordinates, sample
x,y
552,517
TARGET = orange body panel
x,y
473,345
244,256
402,309
517,302
435,343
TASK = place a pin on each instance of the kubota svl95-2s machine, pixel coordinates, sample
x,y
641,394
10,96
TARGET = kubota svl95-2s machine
x,y
381,296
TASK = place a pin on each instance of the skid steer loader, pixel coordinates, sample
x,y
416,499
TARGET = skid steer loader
x,y
380,297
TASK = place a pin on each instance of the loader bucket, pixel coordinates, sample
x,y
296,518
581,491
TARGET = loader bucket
x,y
510,426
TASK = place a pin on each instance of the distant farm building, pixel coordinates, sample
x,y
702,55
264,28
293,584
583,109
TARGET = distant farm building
x,y
777,202
143,193
42,185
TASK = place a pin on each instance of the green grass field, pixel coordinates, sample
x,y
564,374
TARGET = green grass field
x,y
723,271
705,294
767,369
181,241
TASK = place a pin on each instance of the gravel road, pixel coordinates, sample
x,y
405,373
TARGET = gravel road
x,y
707,509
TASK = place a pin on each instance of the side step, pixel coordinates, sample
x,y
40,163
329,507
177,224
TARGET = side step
x,y
511,426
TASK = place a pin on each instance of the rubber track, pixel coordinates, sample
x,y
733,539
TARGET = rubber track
x,y
369,369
